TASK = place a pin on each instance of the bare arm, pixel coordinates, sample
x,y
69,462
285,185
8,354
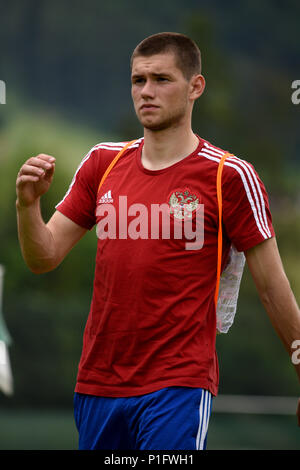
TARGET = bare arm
x,y
43,245
276,295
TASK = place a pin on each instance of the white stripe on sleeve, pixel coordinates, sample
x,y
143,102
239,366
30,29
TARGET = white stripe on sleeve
x,y
114,146
249,179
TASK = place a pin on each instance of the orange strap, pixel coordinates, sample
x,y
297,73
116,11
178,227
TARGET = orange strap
x,y
220,236
113,162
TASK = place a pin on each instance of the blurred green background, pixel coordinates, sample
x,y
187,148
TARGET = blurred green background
x,y
66,69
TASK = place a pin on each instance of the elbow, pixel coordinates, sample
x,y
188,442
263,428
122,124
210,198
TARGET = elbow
x,y
39,270
270,298
41,267
266,296
275,290
269,303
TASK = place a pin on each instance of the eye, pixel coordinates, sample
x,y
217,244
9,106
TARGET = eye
x,y
138,81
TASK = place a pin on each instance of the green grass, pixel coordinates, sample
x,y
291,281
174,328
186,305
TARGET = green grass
x,y
37,430
55,430
254,432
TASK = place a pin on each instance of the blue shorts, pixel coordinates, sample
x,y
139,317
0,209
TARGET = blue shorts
x,y
174,418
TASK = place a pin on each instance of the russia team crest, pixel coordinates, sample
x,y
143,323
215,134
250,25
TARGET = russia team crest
x,y
183,203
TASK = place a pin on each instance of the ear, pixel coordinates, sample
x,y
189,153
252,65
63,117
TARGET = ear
x,y
197,86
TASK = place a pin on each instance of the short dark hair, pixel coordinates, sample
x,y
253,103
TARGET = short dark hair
x,y
187,53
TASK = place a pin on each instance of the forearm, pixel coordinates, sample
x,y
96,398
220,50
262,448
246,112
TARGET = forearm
x,y
276,294
36,241
284,314
43,246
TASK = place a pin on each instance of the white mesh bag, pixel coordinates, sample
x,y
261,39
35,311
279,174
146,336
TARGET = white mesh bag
x,y
230,281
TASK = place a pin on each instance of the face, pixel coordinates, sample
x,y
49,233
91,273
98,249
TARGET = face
x,y
161,94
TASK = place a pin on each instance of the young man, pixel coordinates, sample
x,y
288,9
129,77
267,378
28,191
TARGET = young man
x,y
148,369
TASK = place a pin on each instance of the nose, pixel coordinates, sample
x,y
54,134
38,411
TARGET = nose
x,y
148,90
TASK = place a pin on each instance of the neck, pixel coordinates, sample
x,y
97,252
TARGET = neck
x,y
164,148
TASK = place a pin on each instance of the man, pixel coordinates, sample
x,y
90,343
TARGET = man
x,y
148,369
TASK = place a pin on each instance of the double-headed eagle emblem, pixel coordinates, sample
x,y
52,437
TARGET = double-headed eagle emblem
x,y
183,204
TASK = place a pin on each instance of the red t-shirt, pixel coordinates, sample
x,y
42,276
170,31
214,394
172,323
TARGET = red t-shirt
x,y
152,320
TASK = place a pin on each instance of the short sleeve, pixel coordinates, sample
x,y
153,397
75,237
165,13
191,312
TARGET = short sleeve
x,y
79,202
246,213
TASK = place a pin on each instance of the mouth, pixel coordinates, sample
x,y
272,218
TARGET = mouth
x,y
148,107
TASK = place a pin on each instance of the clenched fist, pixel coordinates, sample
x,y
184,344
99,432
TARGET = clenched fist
x,y
34,179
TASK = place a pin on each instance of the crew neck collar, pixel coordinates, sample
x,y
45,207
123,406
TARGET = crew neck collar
x,y
168,168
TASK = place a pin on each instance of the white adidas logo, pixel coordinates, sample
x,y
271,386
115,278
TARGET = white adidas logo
x,y
106,198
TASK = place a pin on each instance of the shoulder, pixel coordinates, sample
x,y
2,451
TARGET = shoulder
x,y
110,148
234,166
103,153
